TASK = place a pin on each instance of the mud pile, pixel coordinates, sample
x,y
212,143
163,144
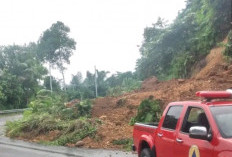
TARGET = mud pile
x,y
116,112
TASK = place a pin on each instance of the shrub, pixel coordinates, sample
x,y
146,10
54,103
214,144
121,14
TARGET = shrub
x,y
48,113
127,143
76,130
148,111
84,108
128,85
228,50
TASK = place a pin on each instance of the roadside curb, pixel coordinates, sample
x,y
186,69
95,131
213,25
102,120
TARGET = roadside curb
x,y
13,111
17,143
75,152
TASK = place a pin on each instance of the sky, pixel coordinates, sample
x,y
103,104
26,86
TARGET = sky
x,y
108,32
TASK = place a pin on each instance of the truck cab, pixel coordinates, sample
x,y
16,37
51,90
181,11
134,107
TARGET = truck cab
x,y
189,129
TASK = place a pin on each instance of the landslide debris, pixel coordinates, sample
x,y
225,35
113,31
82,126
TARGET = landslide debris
x,y
215,75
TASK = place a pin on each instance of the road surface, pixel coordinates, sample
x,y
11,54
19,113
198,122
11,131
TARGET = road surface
x,y
13,148
7,117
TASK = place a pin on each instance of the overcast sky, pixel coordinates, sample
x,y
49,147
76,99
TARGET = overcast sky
x,y
108,32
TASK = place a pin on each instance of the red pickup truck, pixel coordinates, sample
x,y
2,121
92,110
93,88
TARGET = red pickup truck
x,y
189,129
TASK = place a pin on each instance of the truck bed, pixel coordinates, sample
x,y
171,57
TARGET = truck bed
x,y
147,127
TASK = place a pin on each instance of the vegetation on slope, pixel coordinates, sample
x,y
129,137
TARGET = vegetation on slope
x,y
49,116
170,51
23,74
114,85
149,111
228,49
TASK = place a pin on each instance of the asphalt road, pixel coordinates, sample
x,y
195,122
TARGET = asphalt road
x,y
18,148
13,151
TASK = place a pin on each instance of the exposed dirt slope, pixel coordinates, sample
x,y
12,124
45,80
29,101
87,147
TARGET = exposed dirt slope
x,y
214,63
116,112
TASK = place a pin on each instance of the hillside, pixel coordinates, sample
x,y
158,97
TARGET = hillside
x,y
106,124
116,112
172,51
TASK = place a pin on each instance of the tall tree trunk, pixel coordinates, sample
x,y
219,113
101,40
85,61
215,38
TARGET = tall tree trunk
x,y
96,82
50,77
62,72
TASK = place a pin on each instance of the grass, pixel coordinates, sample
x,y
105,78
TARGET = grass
x,y
126,143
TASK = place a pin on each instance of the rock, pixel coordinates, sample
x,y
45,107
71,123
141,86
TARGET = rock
x,y
149,83
121,102
212,73
103,117
118,123
181,80
79,144
228,72
230,67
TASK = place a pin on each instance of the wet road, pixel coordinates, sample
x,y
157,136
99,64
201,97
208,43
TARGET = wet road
x,y
7,117
13,148
13,151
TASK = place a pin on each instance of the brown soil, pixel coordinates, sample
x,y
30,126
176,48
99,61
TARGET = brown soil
x,y
116,112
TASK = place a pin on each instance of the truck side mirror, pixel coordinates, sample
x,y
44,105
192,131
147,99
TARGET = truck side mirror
x,y
200,132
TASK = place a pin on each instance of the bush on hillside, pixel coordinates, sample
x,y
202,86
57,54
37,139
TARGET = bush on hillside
x,y
148,111
128,85
228,50
48,113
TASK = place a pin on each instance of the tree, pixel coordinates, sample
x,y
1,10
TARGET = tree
x,y
55,84
170,51
89,82
76,81
56,47
19,75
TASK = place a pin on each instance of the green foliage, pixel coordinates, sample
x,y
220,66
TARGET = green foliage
x,y
127,86
84,108
76,130
54,105
19,75
127,143
56,47
48,113
14,129
148,111
115,85
170,51
55,84
180,65
71,131
122,83
228,50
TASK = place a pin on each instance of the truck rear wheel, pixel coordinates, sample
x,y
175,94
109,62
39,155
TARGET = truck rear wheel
x,y
146,152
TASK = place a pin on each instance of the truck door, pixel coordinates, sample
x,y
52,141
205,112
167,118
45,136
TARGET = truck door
x,y
166,133
189,147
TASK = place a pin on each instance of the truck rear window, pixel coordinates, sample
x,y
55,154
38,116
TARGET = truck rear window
x,y
223,118
172,117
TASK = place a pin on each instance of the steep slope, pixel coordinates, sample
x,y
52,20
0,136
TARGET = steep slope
x,y
116,112
214,62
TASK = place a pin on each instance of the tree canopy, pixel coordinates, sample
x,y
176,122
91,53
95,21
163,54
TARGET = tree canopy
x,y
170,51
20,75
